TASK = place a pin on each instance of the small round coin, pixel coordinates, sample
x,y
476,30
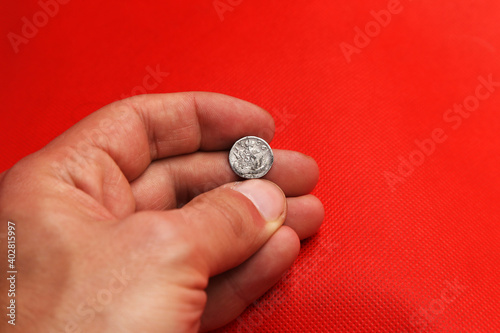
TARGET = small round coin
x,y
251,157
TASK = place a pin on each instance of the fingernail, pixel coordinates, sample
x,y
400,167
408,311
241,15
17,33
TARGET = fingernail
x,y
266,196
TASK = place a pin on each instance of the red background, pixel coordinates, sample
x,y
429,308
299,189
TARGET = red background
x,y
420,255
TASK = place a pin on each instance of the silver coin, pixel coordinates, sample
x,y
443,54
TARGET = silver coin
x,y
251,157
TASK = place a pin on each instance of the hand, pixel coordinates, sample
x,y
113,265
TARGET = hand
x,y
102,245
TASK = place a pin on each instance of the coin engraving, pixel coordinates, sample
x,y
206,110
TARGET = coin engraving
x,y
251,157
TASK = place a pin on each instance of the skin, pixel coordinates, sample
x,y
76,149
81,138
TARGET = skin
x,y
131,221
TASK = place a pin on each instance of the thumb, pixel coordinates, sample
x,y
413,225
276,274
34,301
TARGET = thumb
x,y
230,223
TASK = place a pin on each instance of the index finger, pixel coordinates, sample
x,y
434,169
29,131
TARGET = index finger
x,y
140,129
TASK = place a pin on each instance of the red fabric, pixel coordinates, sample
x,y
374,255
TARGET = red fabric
x,y
404,247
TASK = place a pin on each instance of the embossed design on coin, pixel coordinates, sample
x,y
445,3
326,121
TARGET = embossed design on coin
x,y
251,157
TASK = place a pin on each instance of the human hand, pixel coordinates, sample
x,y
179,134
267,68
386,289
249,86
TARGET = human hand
x,y
102,245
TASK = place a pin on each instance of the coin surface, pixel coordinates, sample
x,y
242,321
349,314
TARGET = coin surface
x,y
251,157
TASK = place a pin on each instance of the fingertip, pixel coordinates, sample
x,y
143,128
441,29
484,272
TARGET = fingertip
x,y
311,167
302,172
267,197
305,215
232,222
289,241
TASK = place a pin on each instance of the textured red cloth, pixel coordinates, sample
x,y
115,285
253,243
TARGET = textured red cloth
x,y
399,103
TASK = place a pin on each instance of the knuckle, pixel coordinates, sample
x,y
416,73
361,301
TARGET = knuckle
x,y
160,237
23,175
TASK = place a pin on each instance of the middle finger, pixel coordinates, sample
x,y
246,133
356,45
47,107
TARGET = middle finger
x,y
172,182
